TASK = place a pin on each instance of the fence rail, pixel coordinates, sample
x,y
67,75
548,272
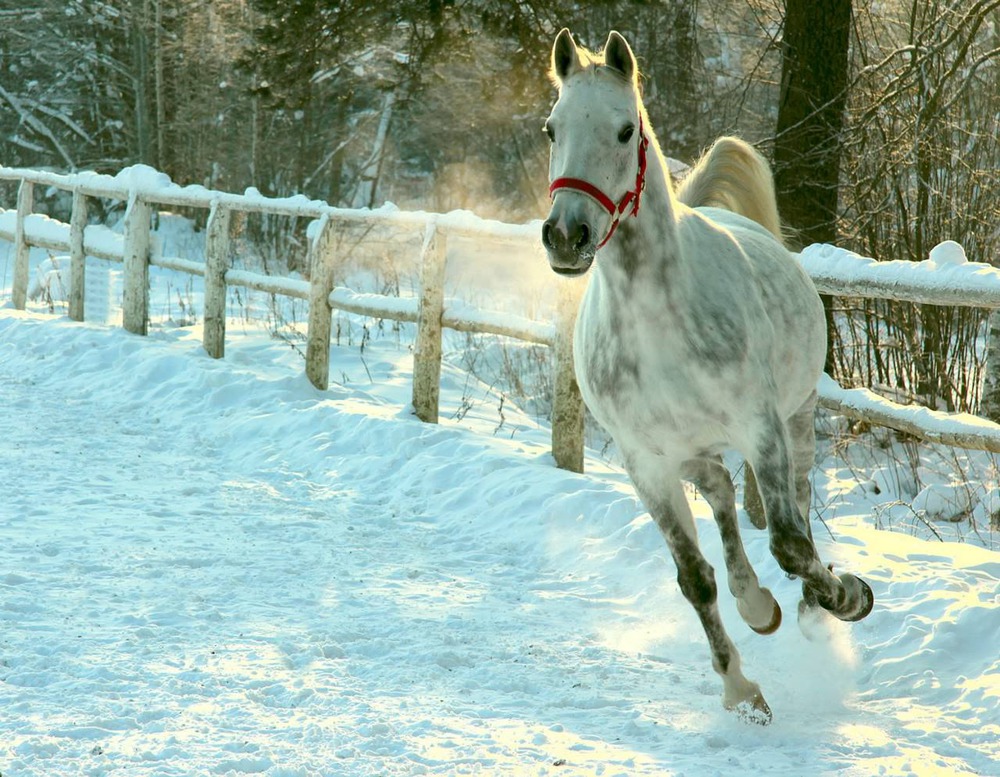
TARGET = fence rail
x,y
142,188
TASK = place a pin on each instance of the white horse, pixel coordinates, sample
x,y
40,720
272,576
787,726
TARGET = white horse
x,y
698,333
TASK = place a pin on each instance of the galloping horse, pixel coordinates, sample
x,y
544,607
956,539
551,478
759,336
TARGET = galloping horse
x,y
698,333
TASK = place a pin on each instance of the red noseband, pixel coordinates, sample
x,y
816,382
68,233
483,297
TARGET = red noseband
x,y
630,198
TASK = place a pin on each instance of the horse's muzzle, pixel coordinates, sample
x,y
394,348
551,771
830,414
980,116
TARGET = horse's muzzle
x,y
571,271
570,245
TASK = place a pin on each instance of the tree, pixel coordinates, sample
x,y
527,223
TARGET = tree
x,y
321,71
808,138
920,163
47,107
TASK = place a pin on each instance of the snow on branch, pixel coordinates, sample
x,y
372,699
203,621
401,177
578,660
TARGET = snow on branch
x,y
29,120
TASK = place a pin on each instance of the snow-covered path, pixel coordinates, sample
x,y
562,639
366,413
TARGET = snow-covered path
x,y
212,568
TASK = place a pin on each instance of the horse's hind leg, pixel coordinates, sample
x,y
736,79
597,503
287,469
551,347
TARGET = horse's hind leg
x,y
802,430
756,605
663,495
847,597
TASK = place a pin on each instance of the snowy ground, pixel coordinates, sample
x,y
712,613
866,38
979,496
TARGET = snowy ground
x,y
209,567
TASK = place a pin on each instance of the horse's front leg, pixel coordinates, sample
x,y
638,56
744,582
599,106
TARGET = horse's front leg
x,y
847,597
755,603
663,494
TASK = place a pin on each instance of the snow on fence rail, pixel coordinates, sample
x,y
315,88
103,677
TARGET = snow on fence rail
x,y
942,281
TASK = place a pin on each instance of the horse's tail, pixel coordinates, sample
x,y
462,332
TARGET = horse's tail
x,y
733,175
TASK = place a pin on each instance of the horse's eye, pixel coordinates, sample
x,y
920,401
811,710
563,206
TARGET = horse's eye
x,y
547,129
626,134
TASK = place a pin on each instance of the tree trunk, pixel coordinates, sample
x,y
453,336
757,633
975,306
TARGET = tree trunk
x,y
810,120
140,71
161,110
368,185
807,144
990,403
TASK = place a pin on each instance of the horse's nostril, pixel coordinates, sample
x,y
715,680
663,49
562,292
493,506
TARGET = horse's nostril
x,y
547,234
584,238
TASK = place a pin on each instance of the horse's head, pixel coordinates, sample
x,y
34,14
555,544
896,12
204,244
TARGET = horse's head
x,y
597,162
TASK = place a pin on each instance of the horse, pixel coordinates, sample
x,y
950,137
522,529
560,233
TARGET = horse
x,y
698,332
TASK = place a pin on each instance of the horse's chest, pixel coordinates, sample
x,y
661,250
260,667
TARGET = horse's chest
x,y
640,382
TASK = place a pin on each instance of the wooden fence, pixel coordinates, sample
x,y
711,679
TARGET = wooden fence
x,y
142,190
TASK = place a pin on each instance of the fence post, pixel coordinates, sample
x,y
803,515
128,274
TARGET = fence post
x,y
567,404
427,348
25,204
216,264
135,300
77,257
320,312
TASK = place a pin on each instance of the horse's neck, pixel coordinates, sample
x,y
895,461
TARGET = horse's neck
x,y
646,246
657,215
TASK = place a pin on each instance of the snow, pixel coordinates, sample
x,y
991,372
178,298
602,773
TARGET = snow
x,y
947,252
211,567
141,178
146,182
400,308
51,279
946,274
41,229
945,502
461,315
932,424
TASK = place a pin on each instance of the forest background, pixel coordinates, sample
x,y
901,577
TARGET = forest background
x,y
881,120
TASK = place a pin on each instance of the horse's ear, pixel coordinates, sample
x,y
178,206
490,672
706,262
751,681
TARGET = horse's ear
x,y
618,55
565,57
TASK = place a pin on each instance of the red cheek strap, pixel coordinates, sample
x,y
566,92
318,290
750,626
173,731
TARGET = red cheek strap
x,y
630,198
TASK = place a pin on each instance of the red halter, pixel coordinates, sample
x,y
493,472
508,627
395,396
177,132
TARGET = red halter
x,y
630,198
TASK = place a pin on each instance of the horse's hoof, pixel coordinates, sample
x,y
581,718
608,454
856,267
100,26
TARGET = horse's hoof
x,y
775,623
864,592
856,592
754,710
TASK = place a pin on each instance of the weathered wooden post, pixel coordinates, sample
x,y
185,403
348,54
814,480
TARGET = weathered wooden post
x,y
135,300
320,312
427,348
77,257
216,264
567,404
25,204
